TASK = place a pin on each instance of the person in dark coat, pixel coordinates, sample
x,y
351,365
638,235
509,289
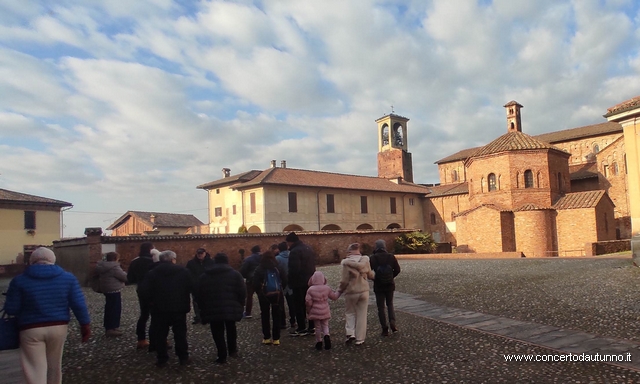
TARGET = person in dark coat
x,y
196,267
221,293
302,265
247,268
269,305
112,280
384,291
167,288
135,275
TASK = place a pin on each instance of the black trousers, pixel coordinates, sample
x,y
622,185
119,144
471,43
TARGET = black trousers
x,y
141,327
382,298
112,310
292,312
161,322
300,307
217,332
270,309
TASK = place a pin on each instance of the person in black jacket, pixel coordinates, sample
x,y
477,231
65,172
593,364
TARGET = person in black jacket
x,y
167,288
269,305
302,265
246,269
196,267
135,275
220,293
384,289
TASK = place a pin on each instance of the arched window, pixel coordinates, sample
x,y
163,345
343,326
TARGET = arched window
x,y
560,186
492,182
398,140
454,175
433,218
385,135
364,226
528,179
331,227
596,148
615,168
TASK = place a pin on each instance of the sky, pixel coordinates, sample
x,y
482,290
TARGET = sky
x,y
117,105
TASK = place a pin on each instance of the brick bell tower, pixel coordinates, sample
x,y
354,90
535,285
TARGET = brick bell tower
x,y
393,159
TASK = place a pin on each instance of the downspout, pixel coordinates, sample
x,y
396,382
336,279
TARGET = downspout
x,y
318,206
62,221
242,207
404,216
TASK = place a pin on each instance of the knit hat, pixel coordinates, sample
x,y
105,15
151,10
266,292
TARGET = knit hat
x,y
154,255
42,255
292,237
221,258
380,244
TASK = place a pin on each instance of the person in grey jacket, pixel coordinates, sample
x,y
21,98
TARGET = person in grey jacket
x,y
112,280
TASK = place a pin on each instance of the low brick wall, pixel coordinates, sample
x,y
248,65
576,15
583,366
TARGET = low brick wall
x,y
11,270
606,247
80,255
494,255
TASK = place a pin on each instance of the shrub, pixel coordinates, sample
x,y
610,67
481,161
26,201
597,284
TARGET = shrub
x,y
414,242
242,229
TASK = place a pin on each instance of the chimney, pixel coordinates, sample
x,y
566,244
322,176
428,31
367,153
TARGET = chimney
x,y
152,218
226,172
273,163
283,164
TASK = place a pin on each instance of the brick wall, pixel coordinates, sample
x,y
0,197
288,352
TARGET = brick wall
x,y
479,231
615,183
80,255
606,247
575,228
394,163
535,232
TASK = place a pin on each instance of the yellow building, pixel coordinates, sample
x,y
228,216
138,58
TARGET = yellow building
x,y
26,222
283,199
626,114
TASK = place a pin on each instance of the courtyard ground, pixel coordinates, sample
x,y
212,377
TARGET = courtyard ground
x,y
591,300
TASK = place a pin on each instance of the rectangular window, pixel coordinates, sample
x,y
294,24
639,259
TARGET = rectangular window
x,y
331,207
293,202
218,211
392,205
411,201
252,202
217,191
29,219
363,204
234,209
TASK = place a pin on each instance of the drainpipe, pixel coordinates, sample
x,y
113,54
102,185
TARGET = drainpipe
x,y
318,206
62,220
242,207
404,216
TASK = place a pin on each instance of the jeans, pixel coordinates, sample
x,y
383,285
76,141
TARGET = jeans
x,y
217,332
300,307
249,303
160,324
112,310
381,299
196,310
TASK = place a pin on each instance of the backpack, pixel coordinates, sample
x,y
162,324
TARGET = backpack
x,y
384,274
272,285
95,282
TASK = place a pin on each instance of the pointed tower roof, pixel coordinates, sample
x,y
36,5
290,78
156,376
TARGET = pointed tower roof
x,y
513,141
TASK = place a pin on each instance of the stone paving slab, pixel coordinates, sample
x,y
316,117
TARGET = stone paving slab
x,y
10,370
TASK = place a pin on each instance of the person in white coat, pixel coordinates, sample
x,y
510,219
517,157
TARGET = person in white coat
x,y
355,288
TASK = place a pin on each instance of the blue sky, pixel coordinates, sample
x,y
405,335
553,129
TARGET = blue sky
x,y
118,105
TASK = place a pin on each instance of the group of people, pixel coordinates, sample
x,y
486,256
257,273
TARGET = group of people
x,y
286,273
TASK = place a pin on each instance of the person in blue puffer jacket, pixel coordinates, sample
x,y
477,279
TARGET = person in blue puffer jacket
x,y
40,298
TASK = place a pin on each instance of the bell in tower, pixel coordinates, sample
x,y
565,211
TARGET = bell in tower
x,y
393,159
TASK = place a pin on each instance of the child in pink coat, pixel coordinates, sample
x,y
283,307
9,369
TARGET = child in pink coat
x,y
317,301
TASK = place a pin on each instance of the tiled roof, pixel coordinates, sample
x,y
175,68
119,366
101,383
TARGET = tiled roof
x,y
513,141
580,132
575,200
449,189
177,220
460,155
239,178
583,171
530,207
624,106
17,197
490,206
318,179
551,137
513,102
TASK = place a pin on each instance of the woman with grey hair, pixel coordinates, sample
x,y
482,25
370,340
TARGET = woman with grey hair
x,y
41,298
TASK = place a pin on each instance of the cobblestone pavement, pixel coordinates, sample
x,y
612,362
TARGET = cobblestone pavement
x,y
590,295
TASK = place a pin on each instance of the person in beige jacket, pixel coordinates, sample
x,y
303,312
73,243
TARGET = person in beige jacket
x,y
355,287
